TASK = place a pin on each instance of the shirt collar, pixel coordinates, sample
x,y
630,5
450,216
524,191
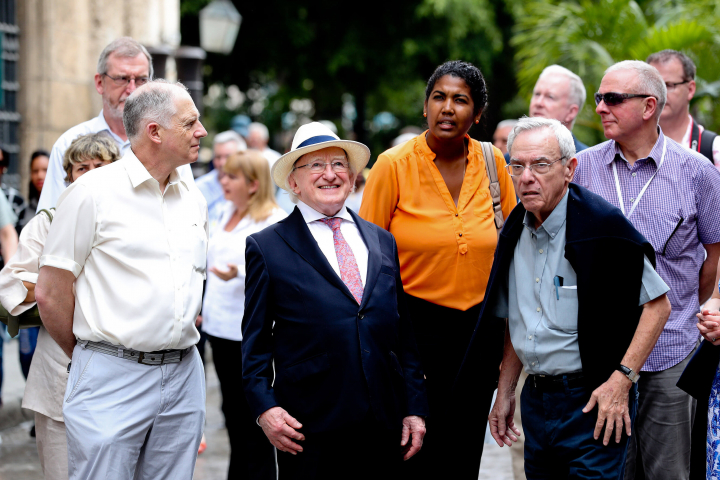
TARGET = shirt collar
x,y
139,174
427,152
555,220
311,215
101,125
654,155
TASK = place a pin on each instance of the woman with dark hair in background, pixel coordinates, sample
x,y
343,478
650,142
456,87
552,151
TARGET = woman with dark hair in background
x,y
39,161
432,193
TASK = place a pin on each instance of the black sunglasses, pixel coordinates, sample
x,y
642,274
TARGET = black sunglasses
x,y
611,98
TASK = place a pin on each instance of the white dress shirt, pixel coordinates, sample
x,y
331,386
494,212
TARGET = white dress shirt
x,y
223,305
55,183
687,141
138,254
324,237
48,375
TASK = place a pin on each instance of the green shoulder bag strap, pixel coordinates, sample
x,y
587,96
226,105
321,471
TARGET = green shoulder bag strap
x,y
30,317
492,173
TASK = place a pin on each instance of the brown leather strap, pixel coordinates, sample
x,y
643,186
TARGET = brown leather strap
x,y
492,173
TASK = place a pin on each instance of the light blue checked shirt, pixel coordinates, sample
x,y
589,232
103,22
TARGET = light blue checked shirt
x,y
679,212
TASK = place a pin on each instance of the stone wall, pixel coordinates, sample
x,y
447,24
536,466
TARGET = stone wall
x,y
60,42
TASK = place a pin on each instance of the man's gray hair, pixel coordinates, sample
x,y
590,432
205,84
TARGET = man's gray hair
x,y
649,81
577,94
261,129
562,134
230,136
665,56
506,123
154,102
125,47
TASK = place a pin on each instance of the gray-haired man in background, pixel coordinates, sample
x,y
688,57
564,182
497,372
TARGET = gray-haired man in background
x,y
132,240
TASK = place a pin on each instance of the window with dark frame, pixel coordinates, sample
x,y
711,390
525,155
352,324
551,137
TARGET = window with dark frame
x,y
9,86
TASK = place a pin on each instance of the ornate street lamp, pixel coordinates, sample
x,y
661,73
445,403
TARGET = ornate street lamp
x,y
219,26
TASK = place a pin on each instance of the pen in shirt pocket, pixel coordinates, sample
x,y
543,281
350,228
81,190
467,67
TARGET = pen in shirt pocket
x,y
558,281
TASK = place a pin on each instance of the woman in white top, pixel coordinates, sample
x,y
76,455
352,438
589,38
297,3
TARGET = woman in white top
x,y
45,387
250,208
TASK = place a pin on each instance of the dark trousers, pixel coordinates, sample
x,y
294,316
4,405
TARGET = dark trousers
x,y
252,456
364,450
452,448
559,439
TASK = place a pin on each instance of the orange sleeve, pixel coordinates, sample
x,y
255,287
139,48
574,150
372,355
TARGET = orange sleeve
x,y
380,196
508,199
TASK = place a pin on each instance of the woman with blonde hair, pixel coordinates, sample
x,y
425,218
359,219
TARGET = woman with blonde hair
x,y
250,208
48,374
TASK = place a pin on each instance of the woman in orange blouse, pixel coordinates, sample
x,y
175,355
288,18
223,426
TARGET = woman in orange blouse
x,y
432,193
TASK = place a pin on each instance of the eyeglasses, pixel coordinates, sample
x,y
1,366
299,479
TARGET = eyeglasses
x,y
611,98
123,81
515,169
319,167
671,86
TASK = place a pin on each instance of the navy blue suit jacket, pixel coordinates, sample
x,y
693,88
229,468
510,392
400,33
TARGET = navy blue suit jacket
x,y
334,360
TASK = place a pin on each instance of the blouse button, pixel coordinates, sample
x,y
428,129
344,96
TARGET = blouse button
x,y
460,234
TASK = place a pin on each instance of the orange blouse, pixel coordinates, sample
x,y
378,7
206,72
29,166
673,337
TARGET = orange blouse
x,y
445,251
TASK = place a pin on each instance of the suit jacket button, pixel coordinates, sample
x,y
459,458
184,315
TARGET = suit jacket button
x,y
361,316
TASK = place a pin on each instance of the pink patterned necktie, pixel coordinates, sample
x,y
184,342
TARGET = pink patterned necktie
x,y
349,271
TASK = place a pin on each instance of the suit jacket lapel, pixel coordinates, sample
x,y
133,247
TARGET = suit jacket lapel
x,y
370,237
297,235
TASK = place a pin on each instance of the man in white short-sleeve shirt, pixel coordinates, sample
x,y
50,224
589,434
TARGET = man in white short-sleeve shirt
x,y
123,66
133,241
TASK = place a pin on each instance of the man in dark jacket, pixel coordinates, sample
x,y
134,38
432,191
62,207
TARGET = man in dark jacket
x,y
584,306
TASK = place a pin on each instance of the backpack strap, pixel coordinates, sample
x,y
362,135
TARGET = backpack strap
x,y
491,169
47,212
695,137
706,144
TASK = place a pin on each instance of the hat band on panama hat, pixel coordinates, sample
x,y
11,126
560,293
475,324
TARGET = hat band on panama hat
x,y
317,139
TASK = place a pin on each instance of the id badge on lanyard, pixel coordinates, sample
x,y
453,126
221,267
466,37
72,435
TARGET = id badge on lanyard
x,y
642,192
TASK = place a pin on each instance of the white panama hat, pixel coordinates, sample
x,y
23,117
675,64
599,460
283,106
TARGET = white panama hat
x,y
310,138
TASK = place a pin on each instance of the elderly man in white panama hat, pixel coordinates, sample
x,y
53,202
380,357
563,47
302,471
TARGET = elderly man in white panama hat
x,y
330,365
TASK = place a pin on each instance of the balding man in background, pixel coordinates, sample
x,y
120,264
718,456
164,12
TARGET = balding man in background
x,y
500,137
123,66
258,138
132,240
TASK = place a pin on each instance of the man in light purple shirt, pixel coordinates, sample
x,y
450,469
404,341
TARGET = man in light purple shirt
x,y
672,196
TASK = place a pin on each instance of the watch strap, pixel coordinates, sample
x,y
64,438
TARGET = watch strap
x,y
632,375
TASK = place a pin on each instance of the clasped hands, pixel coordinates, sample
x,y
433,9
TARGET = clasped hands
x,y
282,431
226,275
709,325
613,412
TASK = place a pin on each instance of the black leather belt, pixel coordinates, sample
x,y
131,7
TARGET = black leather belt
x,y
159,357
557,382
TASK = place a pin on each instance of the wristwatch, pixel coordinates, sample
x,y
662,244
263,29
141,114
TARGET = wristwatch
x,y
628,372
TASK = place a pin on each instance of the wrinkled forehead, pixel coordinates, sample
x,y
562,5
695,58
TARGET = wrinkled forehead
x,y
325,154
538,144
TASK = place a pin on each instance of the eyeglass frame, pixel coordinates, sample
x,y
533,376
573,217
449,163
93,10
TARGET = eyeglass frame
x,y
127,80
624,96
673,85
532,166
345,166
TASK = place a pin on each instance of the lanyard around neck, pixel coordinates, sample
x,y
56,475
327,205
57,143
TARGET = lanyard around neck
x,y
642,192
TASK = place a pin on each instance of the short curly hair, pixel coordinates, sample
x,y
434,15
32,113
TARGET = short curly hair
x,y
93,146
468,72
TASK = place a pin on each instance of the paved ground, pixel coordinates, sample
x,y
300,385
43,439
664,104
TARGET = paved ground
x,y
19,460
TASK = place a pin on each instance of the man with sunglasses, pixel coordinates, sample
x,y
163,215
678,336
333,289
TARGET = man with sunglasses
x,y
558,251
671,195
678,71
123,66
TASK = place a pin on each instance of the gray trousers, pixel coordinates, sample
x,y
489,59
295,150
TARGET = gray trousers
x,y
126,420
659,447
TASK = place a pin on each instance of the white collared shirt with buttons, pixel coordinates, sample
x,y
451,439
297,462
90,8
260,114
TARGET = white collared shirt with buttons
x,y
138,255
324,237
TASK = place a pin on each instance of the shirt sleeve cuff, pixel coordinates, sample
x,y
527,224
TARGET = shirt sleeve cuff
x,y
61,263
28,277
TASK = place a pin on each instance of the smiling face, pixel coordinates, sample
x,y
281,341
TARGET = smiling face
x,y
237,189
38,171
551,99
114,96
182,138
540,194
450,109
679,96
325,192
624,121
